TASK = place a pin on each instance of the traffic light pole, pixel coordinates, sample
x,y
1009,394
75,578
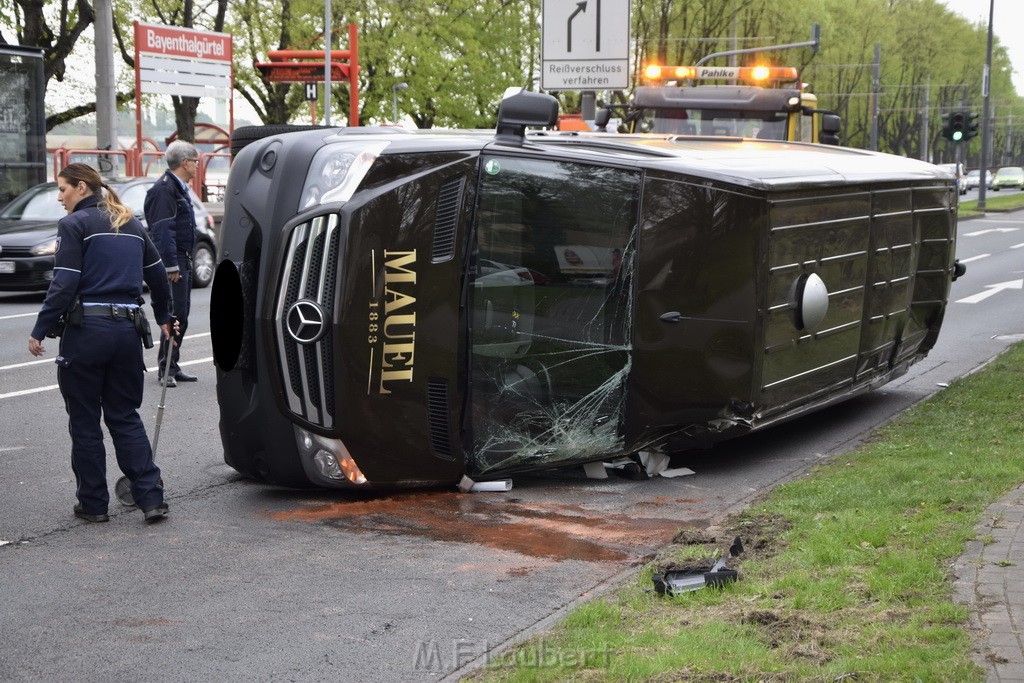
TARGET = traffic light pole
x,y
986,126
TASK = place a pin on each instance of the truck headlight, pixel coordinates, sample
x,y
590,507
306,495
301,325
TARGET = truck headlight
x,y
337,169
330,456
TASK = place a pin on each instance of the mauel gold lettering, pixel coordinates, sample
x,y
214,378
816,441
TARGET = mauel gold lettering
x,y
398,324
392,323
396,300
398,354
395,271
394,376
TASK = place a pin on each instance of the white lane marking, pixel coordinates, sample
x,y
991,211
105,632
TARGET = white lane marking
x,y
974,258
25,364
991,290
1017,246
26,392
50,360
39,390
988,230
19,315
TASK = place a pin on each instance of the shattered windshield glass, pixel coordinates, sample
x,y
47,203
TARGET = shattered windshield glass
x,y
551,311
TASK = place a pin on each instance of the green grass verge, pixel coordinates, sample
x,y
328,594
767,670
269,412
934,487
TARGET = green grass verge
x,y
846,575
994,203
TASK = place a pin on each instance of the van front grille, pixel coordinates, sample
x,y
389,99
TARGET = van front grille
x,y
304,316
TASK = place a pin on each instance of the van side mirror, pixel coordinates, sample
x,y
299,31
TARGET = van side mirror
x,y
520,109
831,126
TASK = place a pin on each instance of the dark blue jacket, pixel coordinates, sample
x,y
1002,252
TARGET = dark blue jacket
x,y
171,221
102,266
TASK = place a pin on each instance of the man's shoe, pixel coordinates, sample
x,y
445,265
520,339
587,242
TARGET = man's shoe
x,y
170,382
182,376
156,513
82,514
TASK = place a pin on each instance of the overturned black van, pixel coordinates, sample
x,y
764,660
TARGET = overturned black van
x,y
407,309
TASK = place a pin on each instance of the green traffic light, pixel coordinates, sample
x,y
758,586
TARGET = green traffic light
x,y
958,135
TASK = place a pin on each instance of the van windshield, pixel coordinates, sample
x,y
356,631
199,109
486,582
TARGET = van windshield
x,y
550,311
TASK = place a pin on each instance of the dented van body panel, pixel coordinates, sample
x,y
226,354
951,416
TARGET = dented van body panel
x,y
472,305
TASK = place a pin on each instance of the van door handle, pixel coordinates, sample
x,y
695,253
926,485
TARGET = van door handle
x,y
672,317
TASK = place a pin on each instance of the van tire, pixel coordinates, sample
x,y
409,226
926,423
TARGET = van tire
x,y
247,135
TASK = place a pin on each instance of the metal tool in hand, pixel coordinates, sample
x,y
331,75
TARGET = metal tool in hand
x,y
123,487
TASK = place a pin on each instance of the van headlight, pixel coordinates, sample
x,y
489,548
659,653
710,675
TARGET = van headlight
x,y
331,458
337,169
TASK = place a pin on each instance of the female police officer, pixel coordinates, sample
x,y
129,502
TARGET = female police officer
x,y
103,255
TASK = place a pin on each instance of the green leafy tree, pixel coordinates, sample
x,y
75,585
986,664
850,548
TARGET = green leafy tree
x,y
458,56
922,43
454,70
258,27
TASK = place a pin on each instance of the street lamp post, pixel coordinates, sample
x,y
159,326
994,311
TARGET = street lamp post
x,y
327,62
986,125
394,98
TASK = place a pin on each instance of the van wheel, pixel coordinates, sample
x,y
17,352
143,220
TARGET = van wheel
x,y
247,135
203,262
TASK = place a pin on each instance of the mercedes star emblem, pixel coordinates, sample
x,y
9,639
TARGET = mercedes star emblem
x,y
306,322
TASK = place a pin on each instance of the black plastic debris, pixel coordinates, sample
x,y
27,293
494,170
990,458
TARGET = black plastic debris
x,y
674,582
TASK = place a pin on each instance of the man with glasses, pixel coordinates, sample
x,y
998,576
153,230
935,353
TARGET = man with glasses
x,y
172,223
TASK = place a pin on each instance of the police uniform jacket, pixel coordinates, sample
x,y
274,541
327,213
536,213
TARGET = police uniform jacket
x,y
171,221
102,266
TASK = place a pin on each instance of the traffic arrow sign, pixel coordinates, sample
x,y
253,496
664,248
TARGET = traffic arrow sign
x,y
582,7
991,290
585,44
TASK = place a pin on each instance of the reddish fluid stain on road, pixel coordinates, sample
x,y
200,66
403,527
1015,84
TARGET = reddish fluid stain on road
x,y
544,530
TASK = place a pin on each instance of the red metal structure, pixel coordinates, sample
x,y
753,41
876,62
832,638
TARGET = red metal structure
x,y
308,66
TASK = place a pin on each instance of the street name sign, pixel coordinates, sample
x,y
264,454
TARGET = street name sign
x,y
181,61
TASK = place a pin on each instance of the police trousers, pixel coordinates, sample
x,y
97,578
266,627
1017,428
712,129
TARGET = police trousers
x,y
181,292
100,371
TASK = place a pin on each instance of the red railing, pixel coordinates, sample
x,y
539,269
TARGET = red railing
x,y
211,188
135,163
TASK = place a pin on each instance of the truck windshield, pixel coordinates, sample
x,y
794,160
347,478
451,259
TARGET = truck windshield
x,y
551,310
763,125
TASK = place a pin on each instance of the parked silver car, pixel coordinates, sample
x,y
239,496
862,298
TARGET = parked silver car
x,y
973,179
1008,176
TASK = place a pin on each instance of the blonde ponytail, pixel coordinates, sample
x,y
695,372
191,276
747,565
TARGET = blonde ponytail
x,y
119,213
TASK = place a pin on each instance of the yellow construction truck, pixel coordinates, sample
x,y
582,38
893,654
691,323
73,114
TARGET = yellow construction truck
x,y
758,102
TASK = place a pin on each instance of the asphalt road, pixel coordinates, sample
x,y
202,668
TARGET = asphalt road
x,y
250,582
989,194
